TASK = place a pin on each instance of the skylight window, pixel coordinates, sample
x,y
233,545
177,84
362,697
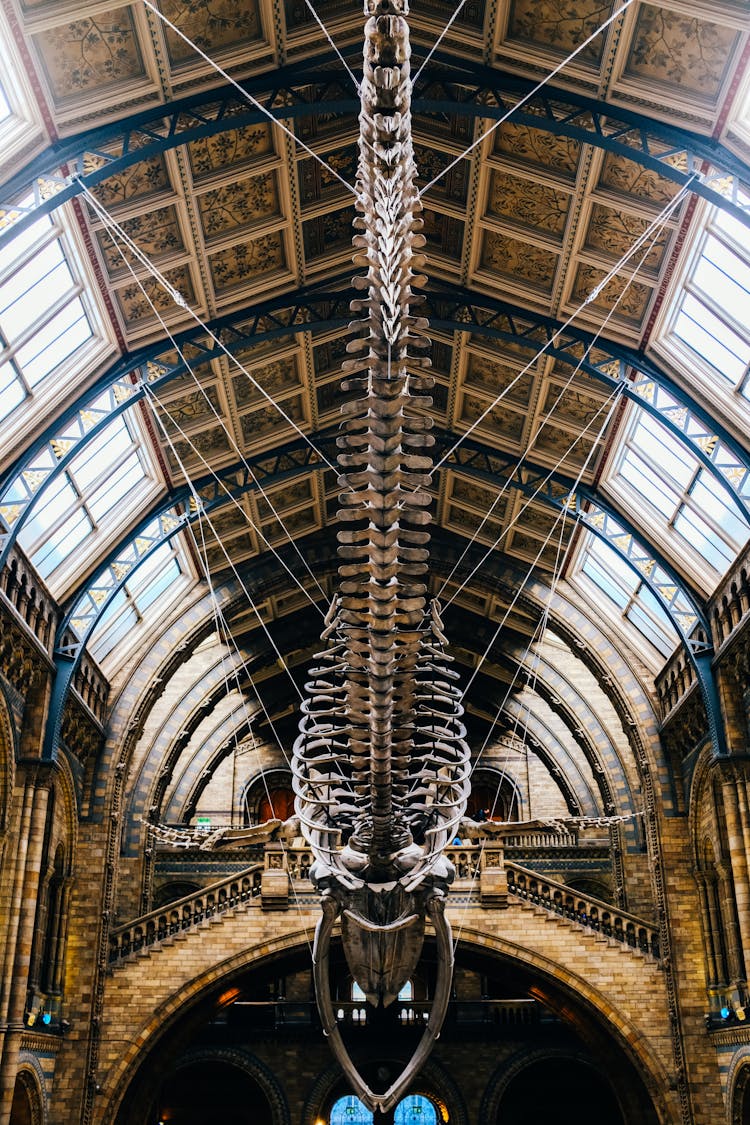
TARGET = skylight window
x,y
710,321
74,505
156,580
655,466
628,594
43,321
5,110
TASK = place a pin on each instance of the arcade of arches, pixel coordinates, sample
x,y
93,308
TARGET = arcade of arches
x,y
168,518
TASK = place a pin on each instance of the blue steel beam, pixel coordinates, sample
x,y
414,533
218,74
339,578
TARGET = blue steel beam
x,y
581,505
309,310
305,89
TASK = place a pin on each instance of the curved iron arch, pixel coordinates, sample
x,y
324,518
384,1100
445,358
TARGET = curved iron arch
x,y
309,309
485,93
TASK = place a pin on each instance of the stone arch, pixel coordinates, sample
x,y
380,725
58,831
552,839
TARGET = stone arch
x,y
29,1102
511,1068
492,785
623,1032
249,1065
738,1087
259,786
433,1082
8,749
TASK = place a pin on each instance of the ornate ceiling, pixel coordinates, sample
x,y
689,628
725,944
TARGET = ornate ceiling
x,y
534,216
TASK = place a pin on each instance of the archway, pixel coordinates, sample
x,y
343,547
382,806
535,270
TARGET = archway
x,y
26,1108
559,1089
206,1091
268,797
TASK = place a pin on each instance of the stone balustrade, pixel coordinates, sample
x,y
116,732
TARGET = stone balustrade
x,y
184,914
590,912
25,594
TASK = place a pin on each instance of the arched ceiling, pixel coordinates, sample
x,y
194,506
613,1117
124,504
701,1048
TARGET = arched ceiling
x,y
236,217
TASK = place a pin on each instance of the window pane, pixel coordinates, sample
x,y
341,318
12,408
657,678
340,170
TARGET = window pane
x,y
712,339
55,342
34,287
12,390
61,543
116,486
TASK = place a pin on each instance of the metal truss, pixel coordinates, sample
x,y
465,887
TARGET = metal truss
x,y
305,89
580,504
147,371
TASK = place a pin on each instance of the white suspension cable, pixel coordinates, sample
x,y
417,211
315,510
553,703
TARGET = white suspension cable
x,y
436,44
112,225
654,226
328,36
247,96
527,97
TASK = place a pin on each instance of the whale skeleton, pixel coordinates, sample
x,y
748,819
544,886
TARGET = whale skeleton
x,y
381,765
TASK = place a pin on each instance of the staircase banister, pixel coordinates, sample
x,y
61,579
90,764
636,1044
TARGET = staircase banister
x,y
186,900
590,900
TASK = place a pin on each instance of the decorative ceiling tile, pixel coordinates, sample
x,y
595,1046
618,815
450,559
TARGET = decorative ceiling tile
x,y
680,51
228,522
317,181
213,25
431,162
628,177
278,377
628,299
136,305
194,408
328,356
267,420
572,405
292,524
235,148
444,234
139,181
501,422
615,232
528,203
327,234
529,547
466,491
92,53
472,524
155,233
245,263
281,499
239,205
538,148
559,25
208,445
519,260
484,374
563,445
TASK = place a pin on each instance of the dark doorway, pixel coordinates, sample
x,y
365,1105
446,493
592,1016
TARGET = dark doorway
x,y
206,1092
562,1090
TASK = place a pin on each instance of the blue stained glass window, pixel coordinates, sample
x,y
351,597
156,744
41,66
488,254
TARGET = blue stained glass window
x,y
415,1110
349,1110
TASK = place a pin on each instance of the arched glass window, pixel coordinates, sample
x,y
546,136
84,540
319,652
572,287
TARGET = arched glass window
x,y
350,1111
415,1110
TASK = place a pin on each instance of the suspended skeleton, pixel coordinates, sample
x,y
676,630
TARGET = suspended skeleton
x,y
381,763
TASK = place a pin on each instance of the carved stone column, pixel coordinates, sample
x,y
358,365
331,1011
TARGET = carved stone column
x,y
21,931
728,924
738,860
709,937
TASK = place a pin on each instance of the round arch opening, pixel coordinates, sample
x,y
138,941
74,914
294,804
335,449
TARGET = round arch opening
x,y
207,1090
561,1089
